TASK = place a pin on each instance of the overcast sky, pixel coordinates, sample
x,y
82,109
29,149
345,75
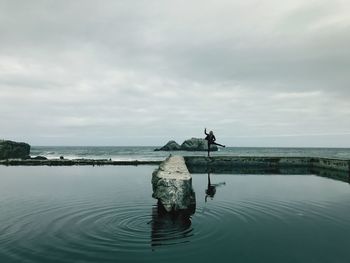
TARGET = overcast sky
x,y
134,72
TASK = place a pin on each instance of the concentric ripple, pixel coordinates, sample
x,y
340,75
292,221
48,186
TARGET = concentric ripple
x,y
72,228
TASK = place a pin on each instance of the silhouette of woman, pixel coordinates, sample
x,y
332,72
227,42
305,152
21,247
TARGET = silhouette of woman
x,y
210,137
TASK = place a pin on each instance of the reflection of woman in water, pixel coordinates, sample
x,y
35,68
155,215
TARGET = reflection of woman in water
x,y
211,190
210,137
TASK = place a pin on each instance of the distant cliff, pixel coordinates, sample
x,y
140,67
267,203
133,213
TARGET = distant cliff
x,y
193,144
14,150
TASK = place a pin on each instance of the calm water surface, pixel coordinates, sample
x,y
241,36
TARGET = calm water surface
x,y
107,214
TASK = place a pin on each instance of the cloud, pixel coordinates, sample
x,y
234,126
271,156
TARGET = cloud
x,y
87,72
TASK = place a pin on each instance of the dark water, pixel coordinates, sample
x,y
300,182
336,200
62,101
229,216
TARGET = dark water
x,y
107,214
148,153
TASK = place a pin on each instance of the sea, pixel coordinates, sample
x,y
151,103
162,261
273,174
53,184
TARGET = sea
x,y
129,153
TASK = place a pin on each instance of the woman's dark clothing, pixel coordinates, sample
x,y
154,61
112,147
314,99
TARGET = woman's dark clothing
x,y
210,137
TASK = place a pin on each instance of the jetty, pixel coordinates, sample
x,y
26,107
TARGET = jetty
x,y
202,163
238,162
70,162
172,181
330,167
334,168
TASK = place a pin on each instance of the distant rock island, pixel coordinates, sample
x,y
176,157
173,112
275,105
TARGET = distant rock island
x,y
193,144
14,150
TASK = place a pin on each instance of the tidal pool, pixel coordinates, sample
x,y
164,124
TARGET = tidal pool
x,y
107,214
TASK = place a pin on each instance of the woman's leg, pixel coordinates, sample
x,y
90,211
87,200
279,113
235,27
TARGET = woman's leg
x,y
218,144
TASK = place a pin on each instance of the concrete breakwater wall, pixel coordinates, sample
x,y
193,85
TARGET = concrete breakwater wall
x,y
68,162
202,163
265,163
172,181
328,163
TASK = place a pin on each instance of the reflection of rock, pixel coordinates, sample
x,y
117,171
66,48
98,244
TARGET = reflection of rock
x,y
170,146
14,150
193,144
170,228
172,185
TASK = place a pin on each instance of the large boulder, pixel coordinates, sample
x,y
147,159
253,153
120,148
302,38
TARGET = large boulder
x,y
172,185
193,144
14,150
170,146
197,144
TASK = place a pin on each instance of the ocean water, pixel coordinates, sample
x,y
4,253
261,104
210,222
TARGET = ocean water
x,y
107,214
148,153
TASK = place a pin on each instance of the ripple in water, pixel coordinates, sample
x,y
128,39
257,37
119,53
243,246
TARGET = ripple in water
x,y
73,228
170,228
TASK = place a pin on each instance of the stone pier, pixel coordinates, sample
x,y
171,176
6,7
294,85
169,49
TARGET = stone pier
x,y
329,167
172,185
239,162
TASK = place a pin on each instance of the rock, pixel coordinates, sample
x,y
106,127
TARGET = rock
x,y
197,144
170,146
172,185
193,144
61,157
14,150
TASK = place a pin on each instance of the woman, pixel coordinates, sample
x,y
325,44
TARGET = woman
x,y
211,140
